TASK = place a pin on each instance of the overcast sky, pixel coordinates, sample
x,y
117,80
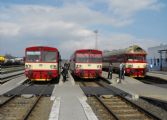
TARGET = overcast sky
x,y
70,24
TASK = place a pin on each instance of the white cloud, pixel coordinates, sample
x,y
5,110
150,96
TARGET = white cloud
x,y
68,27
40,20
122,40
128,8
62,23
35,18
7,28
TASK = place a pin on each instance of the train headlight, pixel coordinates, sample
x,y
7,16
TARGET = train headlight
x,y
99,66
53,66
28,66
78,66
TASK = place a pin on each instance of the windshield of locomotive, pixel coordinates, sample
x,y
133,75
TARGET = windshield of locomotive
x,y
95,58
49,56
82,57
136,57
33,56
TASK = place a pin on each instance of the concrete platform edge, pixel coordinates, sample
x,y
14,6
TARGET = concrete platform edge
x,y
54,114
87,109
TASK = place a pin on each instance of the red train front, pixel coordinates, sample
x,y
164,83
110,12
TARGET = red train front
x,y
41,63
86,63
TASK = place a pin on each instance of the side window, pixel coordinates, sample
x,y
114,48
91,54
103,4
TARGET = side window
x,y
151,61
154,62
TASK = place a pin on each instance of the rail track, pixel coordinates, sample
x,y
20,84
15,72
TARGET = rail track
x,y
22,107
10,76
159,103
9,66
117,108
152,80
89,83
114,107
4,80
11,69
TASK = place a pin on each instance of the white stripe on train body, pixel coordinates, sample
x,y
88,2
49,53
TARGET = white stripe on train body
x,y
41,66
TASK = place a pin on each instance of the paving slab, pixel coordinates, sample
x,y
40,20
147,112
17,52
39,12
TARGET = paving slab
x,y
135,87
12,84
158,75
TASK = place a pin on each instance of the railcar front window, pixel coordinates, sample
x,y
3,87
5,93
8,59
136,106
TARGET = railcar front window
x,y
49,56
33,56
95,58
139,58
136,58
82,58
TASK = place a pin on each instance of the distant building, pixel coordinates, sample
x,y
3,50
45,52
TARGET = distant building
x,y
157,57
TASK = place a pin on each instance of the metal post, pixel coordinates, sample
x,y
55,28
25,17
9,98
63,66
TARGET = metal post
x,y
161,51
160,60
96,32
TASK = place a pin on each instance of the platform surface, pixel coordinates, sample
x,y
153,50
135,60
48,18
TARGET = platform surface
x,y
158,74
12,84
133,86
71,97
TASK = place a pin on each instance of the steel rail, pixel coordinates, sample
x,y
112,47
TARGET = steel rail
x,y
152,80
106,107
122,96
133,104
11,66
140,109
10,71
8,100
13,96
35,103
5,77
2,81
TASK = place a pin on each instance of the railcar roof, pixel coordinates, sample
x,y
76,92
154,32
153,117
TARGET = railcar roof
x,y
135,49
88,51
41,48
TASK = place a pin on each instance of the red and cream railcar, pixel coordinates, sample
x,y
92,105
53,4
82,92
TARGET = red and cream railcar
x,y
42,63
86,63
133,57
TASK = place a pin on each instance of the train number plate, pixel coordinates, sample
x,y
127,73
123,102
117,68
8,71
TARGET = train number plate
x,y
40,65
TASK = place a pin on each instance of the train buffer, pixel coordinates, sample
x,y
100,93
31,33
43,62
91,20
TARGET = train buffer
x,y
136,88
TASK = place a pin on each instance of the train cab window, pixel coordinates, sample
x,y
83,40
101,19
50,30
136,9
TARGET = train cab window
x,y
95,58
33,56
130,58
136,58
82,58
49,56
